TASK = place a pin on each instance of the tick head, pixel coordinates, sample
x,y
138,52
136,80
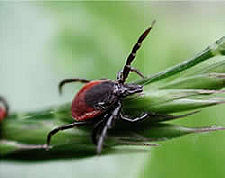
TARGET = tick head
x,y
133,88
124,90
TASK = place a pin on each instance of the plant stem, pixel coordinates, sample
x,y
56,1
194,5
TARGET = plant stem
x,y
218,48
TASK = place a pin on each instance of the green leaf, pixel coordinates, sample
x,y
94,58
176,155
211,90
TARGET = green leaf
x,y
214,65
201,81
169,101
141,133
218,48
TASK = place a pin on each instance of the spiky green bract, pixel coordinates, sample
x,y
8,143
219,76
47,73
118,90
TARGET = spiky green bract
x,y
170,101
23,138
218,48
198,78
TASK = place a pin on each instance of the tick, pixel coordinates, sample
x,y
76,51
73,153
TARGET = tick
x,y
4,109
99,102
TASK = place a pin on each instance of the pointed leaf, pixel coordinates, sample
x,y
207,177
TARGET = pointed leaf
x,y
218,48
202,81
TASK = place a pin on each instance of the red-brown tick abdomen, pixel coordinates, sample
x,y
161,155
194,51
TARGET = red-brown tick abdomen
x,y
81,110
3,113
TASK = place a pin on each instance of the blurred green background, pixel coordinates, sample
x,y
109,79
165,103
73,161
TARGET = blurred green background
x,y
44,42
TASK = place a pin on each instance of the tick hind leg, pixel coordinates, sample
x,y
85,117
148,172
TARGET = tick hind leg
x,y
60,128
65,81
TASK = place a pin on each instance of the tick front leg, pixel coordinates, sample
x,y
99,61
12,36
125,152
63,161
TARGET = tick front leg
x,y
65,81
132,69
126,70
137,119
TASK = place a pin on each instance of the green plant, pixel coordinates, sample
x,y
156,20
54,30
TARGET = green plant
x,y
165,93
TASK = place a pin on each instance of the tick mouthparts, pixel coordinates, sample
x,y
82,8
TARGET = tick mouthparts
x,y
134,87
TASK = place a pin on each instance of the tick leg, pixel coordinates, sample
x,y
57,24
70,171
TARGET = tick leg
x,y
63,127
124,74
144,116
65,81
107,126
132,69
95,131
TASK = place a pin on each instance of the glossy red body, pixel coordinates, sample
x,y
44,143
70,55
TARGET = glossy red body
x,y
2,113
80,109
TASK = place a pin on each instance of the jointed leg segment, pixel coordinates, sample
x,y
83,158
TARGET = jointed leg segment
x,y
126,70
65,81
132,69
97,128
107,126
64,127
